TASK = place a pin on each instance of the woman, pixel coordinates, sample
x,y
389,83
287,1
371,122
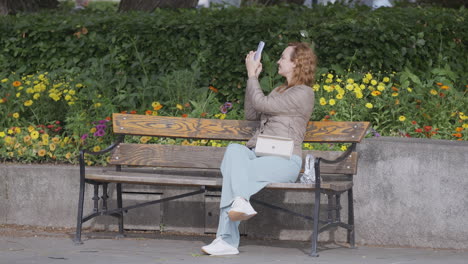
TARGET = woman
x,y
285,112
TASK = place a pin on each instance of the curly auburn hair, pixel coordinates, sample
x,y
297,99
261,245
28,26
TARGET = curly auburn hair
x,y
306,64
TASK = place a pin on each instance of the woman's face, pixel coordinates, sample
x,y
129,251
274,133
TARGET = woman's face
x,y
285,65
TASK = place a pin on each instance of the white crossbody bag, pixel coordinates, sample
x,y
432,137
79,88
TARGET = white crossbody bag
x,y
274,146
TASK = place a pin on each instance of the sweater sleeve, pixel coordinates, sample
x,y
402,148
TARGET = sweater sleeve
x,y
295,98
249,112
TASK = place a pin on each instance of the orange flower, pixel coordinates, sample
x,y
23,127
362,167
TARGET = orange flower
x,y
444,87
148,112
108,118
213,89
133,112
394,89
376,93
184,115
332,112
458,135
16,83
440,84
203,114
459,129
123,112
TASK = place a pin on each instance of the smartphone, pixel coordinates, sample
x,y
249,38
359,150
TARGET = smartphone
x,y
261,44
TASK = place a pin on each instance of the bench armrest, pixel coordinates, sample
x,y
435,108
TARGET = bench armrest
x,y
342,157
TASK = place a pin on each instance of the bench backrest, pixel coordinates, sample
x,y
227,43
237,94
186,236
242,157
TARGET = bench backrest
x,y
203,157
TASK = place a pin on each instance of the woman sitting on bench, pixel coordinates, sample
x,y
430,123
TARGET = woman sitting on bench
x,y
285,112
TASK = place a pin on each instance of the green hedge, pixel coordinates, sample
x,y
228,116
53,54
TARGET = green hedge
x,y
132,50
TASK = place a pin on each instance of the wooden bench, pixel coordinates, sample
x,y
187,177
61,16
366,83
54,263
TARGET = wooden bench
x,y
198,159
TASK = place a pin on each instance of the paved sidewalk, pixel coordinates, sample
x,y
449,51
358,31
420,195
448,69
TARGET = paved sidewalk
x,y
43,247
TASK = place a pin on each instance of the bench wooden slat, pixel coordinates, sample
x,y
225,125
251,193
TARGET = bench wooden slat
x,y
177,180
203,157
198,128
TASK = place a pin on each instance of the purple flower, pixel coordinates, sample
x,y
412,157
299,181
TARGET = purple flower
x,y
223,109
99,133
375,133
101,127
103,121
84,137
228,105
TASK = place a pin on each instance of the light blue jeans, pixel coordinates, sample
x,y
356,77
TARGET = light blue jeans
x,y
244,174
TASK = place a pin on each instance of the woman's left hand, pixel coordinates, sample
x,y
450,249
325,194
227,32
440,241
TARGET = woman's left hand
x,y
254,67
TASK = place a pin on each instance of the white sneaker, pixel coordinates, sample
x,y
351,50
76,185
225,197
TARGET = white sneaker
x,y
241,210
219,247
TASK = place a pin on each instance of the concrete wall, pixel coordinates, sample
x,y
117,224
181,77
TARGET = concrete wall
x,y
408,192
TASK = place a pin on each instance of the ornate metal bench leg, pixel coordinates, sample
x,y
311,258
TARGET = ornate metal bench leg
x,y
79,217
315,231
119,205
350,236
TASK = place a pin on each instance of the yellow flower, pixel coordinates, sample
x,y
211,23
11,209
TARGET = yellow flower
x,y
397,102
409,89
365,80
351,81
369,105
71,92
330,76
344,148
79,85
45,137
97,105
339,80
67,97
369,76
34,134
18,95
36,96
332,102
28,103
96,148
359,95
386,79
402,118
56,139
328,80
381,88
17,130
30,90
362,86
394,94
323,101
92,130
5,80
68,155
41,152
10,131
373,82
89,163
16,115
156,106
179,106
2,134
316,87
349,87
464,126
52,147
45,142
433,92
339,96
144,139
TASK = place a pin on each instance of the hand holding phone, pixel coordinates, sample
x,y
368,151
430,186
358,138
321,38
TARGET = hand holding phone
x,y
261,44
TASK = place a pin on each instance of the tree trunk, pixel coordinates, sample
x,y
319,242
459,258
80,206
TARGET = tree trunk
x,y
271,2
150,5
15,6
